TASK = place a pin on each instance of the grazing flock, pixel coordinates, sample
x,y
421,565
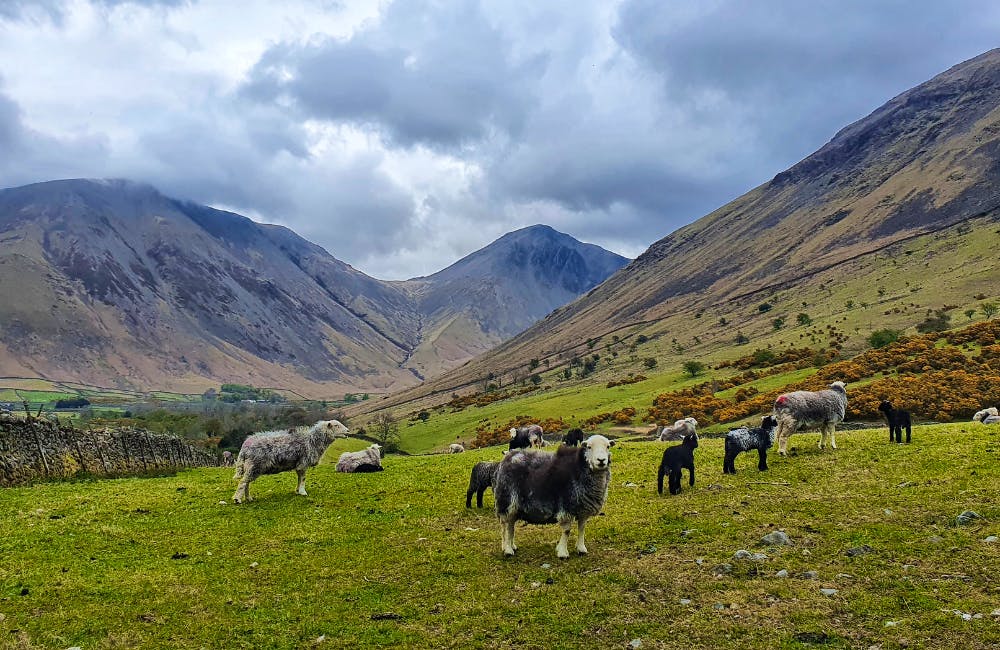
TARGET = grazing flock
x,y
570,485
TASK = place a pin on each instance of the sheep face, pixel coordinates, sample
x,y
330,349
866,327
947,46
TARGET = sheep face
x,y
691,421
333,428
839,385
597,452
378,449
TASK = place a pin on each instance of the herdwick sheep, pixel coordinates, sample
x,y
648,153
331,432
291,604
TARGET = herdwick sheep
x,y
357,462
227,458
545,488
483,475
455,448
805,409
524,437
674,460
679,430
987,416
897,420
573,438
746,438
272,452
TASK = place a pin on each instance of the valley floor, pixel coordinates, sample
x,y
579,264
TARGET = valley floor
x,y
395,558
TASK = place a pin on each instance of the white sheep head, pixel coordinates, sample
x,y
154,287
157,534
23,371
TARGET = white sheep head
x,y
378,448
839,385
597,452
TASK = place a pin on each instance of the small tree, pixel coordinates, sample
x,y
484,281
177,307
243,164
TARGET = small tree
x,y
804,319
764,307
989,309
534,363
649,362
694,368
535,379
882,338
778,323
385,430
423,416
970,313
741,338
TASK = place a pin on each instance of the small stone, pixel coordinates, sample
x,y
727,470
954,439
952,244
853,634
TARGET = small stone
x,y
471,529
781,574
254,565
845,576
805,551
890,624
629,485
886,512
722,569
536,585
685,601
907,567
3,618
546,566
992,539
977,616
995,612
967,517
776,538
320,639
810,575
718,606
635,643
742,555
222,503
864,549
935,539
209,553
649,550
74,647
699,561
759,557
550,581
828,592
686,533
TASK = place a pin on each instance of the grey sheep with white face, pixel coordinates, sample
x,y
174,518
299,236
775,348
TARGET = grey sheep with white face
x,y
273,452
538,487
805,409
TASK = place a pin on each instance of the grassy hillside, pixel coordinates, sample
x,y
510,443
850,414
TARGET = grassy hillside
x,y
395,558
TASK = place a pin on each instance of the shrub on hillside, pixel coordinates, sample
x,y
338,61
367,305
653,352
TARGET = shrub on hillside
x,y
882,338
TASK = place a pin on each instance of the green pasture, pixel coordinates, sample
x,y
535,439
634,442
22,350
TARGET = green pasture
x,y
395,558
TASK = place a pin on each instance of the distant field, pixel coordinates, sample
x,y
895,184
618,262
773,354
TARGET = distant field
x,y
395,558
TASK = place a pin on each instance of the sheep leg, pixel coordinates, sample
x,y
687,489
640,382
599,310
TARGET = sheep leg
x,y
242,493
479,497
562,548
301,489
675,480
762,460
581,547
729,463
691,480
507,536
832,433
907,433
822,437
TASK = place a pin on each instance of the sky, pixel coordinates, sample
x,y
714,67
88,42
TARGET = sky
x,y
401,136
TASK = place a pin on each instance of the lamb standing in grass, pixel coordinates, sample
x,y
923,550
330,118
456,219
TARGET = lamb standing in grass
x,y
483,475
680,430
544,488
455,448
897,419
746,438
675,459
805,409
272,452
358,462
524,437
573,438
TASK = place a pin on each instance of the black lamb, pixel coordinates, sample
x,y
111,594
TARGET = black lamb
x,y
573,438
674,460
746,438
483,475
897,420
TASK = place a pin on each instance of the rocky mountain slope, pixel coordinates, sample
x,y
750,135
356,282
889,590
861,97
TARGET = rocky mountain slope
x,y
112,283
926,163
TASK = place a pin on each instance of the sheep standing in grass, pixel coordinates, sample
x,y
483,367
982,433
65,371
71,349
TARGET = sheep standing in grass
x,y
897,420
675,459
746,438
524,437
272,452
357,462
987,416
679,430
805,409
483,475
455,448
227,458
545,488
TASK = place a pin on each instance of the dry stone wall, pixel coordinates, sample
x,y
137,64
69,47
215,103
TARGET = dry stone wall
x,y
37,449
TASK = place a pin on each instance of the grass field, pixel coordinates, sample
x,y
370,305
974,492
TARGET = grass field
x,y
396,559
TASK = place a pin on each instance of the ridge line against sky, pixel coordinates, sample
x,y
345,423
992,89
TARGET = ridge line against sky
x,y
401,136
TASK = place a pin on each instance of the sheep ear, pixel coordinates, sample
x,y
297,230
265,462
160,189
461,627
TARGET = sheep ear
x,y
611,443
585,445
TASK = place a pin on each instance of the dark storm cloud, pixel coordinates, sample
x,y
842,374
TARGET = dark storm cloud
x,y
437,74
